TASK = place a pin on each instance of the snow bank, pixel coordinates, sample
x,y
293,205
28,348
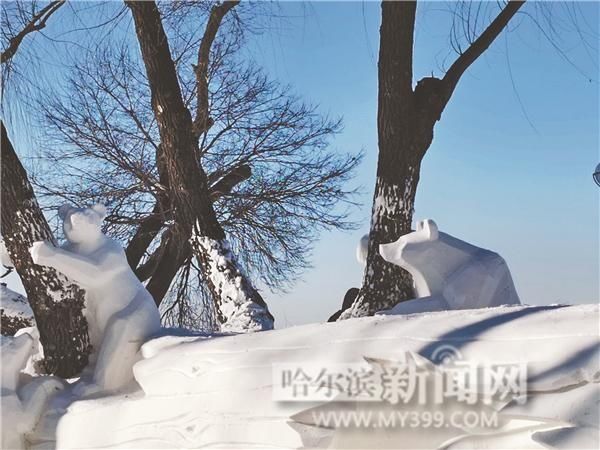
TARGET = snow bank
x,y
23,397
217,392
15,312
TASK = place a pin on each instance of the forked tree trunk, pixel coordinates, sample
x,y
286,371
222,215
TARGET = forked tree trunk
x,y
162,265
56,302
239,305
143,237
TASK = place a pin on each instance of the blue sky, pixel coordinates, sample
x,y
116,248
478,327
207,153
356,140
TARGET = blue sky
x,y
491,177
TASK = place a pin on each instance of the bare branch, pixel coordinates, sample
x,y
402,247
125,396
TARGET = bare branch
x,y
202,122
480,45
226,184
37,22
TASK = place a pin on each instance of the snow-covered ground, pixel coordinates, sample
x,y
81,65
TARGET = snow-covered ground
x,y
218,392
15,312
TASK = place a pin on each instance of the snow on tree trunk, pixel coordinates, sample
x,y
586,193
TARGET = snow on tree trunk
x,y
240,307
385,284
405,124
57,303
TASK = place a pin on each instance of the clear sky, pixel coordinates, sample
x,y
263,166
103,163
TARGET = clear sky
x,y
511,162
490,177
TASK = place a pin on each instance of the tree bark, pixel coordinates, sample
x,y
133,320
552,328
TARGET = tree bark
x,y
174,251
203,121
385,284
239,305
57,303
151,225
143,237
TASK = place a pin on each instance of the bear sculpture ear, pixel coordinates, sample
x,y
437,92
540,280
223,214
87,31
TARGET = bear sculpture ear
x,y
63,211
429,227
100,209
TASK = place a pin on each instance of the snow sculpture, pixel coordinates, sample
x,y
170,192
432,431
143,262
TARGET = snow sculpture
x,y
362,249
22,404
5,258
450,273
121,313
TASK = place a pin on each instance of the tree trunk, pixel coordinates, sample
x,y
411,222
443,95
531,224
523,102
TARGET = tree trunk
x,y
143,237
239,305
174,251
56,302
151,225
401,149
385,284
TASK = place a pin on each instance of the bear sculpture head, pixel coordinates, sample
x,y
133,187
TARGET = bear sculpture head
x,y
82,224
410,245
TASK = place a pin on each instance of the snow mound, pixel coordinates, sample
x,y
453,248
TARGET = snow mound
x,y
23,398
15,312
218,392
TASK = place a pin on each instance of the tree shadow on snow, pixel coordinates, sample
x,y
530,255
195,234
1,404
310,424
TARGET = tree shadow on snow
x,y
464,335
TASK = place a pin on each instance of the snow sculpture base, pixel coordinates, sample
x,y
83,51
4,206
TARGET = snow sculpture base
x,y
121,313
218,392
449,273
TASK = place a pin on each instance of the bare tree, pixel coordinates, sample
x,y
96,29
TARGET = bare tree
x,y
272,179
239,305
57,303
405,122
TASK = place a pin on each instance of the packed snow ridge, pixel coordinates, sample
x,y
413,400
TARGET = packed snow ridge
x,y
219,392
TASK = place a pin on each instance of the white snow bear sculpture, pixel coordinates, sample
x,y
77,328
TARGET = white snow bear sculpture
x,y
23,397
449,273
121,313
